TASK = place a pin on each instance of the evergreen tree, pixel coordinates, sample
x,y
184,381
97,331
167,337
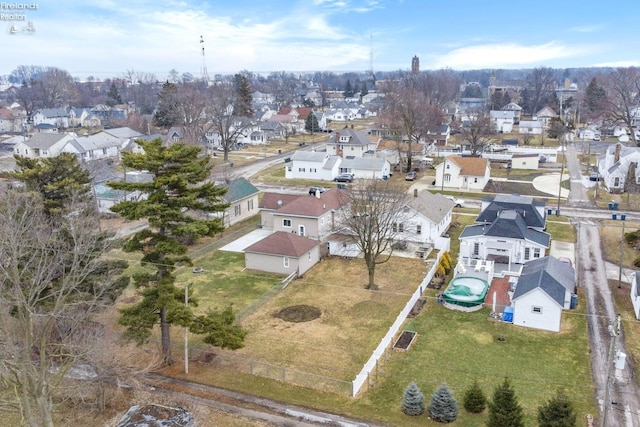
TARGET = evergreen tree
x,y
413,400
175,201
504,410
113,96
557,412
348,89
595,96
58,179
243,100
474,399
167,112
364,90
443,407
311,123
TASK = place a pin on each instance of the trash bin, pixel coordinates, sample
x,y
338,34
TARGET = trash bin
x,y
548,211
614,216
615,206
610,205
623,217
231,164
557,212
279,151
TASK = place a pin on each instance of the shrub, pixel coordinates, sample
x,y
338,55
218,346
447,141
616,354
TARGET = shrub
x,y
557,412
504,409
413,400
443,407
474,399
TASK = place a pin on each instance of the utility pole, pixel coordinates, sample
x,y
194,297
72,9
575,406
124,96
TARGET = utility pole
x,y
622,217
613,332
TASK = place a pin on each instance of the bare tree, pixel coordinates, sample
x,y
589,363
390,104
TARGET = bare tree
x,y
622,92
221,118
477,131
374,215
55,88
541,85
52,282
409,113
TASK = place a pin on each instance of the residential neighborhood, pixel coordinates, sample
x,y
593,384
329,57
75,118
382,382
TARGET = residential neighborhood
x,y
514,218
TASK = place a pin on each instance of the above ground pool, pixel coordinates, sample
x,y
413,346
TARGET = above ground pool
x,y
466,291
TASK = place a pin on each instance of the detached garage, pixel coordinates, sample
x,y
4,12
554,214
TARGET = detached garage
x,y
282,253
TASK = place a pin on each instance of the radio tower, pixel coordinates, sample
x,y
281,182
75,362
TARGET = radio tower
x,y
371,58
203,67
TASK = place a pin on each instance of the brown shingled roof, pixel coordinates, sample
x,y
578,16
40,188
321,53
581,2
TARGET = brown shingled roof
x,y
283,243
313,206
470,166
270,200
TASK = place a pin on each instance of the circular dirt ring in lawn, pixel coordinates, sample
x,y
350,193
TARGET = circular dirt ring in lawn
x,y
299,313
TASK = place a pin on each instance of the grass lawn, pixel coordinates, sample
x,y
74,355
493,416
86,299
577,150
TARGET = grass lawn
x,y
560,228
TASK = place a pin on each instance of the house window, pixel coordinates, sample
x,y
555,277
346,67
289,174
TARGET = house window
x,y
418,229
527,253
250,205
536,309
401,227
475,180
476,249
397,227
301,230
447,178
237,210
285,262
616,181
301,170
286,223
104,151
313,170
447,167
309,255
536,253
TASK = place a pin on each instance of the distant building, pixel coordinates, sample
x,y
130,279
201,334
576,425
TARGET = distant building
x,y
415,65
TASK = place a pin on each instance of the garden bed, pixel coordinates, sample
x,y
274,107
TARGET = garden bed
x,y
404,342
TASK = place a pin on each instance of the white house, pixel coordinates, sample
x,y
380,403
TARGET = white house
x,y
613,166
468,173
525,161
367,168
502,121
43,145
58,117
427,217
545,288
91,147
530,127
517,110
635,295
312,165
350,142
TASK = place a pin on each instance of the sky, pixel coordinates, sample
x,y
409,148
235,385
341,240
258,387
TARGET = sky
x,y
107,38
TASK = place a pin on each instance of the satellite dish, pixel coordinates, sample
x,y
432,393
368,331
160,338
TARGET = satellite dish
x,y
280,203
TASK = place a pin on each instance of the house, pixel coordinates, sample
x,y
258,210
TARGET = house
x,y
464,173
438,136
106,196
367,168
545,115
545,288
58,117
635,295
325,167
43,145
532,211
83,117
272,129
12,120
270,203
282,253
530,127
350,142
525,161
614,165
517,111
507,240
242,197
427,218
91,147
502,121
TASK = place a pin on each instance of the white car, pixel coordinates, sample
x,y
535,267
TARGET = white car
x,y
458,203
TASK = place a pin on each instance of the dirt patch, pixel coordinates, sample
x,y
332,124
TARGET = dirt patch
x,y
299,313
417,308
405,340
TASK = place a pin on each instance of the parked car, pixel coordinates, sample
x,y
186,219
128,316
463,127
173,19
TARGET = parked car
x,y
458,203
313,190
565,260
344,177
411,176
595,177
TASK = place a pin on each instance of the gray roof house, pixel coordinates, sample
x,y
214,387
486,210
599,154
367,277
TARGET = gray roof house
x,y
349,142
43,145
545,288
531,210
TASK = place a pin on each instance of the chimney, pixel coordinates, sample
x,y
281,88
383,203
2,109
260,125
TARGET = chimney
x,y
415,192
616,158
317,193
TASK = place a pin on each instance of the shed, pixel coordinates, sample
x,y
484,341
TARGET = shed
x,y
507,314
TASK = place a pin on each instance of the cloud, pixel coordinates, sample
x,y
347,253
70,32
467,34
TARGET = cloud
x,y
503,55
586,28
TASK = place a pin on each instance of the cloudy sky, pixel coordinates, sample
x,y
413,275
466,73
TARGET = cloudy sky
x,y
106,38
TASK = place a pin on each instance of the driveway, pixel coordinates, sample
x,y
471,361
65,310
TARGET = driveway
x,y
247,240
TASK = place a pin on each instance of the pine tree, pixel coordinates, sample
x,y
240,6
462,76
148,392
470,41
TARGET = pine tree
x,y
167,113
243,100
364,90
113,96
557,412
474,399
413,400
311,123
443,407
175,201
504,410
58,179
595,96
348,89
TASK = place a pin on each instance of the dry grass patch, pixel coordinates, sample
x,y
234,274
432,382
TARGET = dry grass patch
x,y
352,320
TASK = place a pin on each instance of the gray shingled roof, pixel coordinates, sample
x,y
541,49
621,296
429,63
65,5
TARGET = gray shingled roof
x,y
549,274
44,140
309,156
433,206
511,225
362,163
526,206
